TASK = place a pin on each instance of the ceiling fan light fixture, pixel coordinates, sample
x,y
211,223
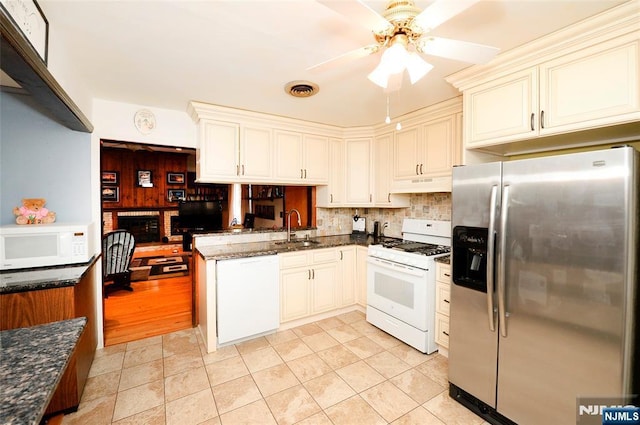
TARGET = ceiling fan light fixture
x,y
379,76
417,67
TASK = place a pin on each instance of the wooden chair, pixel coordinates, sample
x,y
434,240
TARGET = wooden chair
x,y
117,253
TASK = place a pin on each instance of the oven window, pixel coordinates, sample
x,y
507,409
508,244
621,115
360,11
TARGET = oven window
x,y
394,289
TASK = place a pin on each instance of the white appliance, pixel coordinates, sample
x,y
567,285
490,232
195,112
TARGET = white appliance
x,y
38,245
248,297
401,282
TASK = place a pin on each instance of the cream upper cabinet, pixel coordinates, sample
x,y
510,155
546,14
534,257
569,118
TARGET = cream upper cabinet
x,y
406,148
255,153
288,147
217,155
301,158
231,152
383,174
598,86
583,80
504,108
332,195
358,172
425,150
589,88
315,158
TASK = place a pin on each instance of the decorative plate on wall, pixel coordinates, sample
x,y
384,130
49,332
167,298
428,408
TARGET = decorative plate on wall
x,y
145,121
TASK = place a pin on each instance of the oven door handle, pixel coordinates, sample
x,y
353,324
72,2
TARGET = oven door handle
x,y
400,268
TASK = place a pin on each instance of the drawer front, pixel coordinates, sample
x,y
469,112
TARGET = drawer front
x,y
443,272
326,255
294,259
442,330
442,298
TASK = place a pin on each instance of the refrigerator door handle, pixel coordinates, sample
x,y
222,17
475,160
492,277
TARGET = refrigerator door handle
x,y
491,251
502,261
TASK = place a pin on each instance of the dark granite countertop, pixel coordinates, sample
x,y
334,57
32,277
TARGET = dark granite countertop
x,y
42,278
33,360
254,249
446,259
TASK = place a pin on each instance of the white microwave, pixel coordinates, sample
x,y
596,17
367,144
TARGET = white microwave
x,y
38,245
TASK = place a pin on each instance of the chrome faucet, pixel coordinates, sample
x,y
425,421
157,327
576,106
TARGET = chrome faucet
x,y
289,222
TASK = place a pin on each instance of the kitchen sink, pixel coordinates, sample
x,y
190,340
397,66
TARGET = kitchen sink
x,y
298,242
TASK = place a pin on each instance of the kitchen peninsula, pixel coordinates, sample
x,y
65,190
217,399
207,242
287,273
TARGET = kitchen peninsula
x,y
34,361
38,305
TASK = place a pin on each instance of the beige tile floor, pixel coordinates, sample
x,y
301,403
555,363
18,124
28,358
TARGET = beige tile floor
x,y
339,370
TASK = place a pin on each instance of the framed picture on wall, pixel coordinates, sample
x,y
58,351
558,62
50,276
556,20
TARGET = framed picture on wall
x,y
110,194
144,178
176,195
109,177
175,178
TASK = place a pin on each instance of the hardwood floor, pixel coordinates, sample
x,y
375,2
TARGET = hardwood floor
x,y
155,307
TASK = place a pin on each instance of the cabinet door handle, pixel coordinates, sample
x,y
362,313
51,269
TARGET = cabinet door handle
x,y
301,175
370,198
331,197
389,197
313,273
243,169
309,277
421,172
340,255
417,165
447,301
445,333
238,170
542,119
447,274
532,115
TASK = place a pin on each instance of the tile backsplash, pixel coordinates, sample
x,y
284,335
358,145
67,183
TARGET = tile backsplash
x,y
433,206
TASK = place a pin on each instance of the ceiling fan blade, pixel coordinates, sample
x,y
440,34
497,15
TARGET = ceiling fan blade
x,y
360,13
464,51
440,12
344,58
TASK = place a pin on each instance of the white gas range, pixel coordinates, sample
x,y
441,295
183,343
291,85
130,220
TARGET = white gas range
x,y
401,281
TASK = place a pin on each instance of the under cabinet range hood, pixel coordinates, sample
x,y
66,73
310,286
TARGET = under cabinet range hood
x,y
422,185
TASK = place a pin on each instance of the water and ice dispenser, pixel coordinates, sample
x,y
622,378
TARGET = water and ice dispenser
x,y
470,257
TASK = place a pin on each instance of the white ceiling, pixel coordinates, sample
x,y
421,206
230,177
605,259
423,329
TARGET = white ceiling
x,y
241,53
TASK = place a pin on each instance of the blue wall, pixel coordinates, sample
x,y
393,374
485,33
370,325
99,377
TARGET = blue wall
x,y
40,158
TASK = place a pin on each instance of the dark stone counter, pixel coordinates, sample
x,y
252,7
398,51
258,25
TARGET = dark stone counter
x,y
254,249
446,259
32,362
42,278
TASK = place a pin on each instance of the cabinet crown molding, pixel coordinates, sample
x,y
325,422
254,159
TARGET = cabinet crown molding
x,y
623,20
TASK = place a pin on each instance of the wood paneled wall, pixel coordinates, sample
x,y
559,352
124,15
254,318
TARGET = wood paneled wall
x,y
127,162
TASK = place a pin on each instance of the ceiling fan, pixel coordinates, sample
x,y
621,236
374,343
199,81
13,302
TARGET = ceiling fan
x,y
402,32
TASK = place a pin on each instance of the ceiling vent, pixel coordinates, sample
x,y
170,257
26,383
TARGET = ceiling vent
x,y
301,88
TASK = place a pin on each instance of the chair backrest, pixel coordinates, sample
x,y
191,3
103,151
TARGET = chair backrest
x,y
117,252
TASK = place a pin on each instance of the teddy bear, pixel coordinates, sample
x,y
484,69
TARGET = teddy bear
x,y
33,211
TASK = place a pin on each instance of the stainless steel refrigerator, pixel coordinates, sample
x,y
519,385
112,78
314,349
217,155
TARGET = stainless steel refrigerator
x,y
544,298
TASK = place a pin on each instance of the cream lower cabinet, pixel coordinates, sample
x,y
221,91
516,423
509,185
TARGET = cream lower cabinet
x,y
361,275
347,264
309,283
443,301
